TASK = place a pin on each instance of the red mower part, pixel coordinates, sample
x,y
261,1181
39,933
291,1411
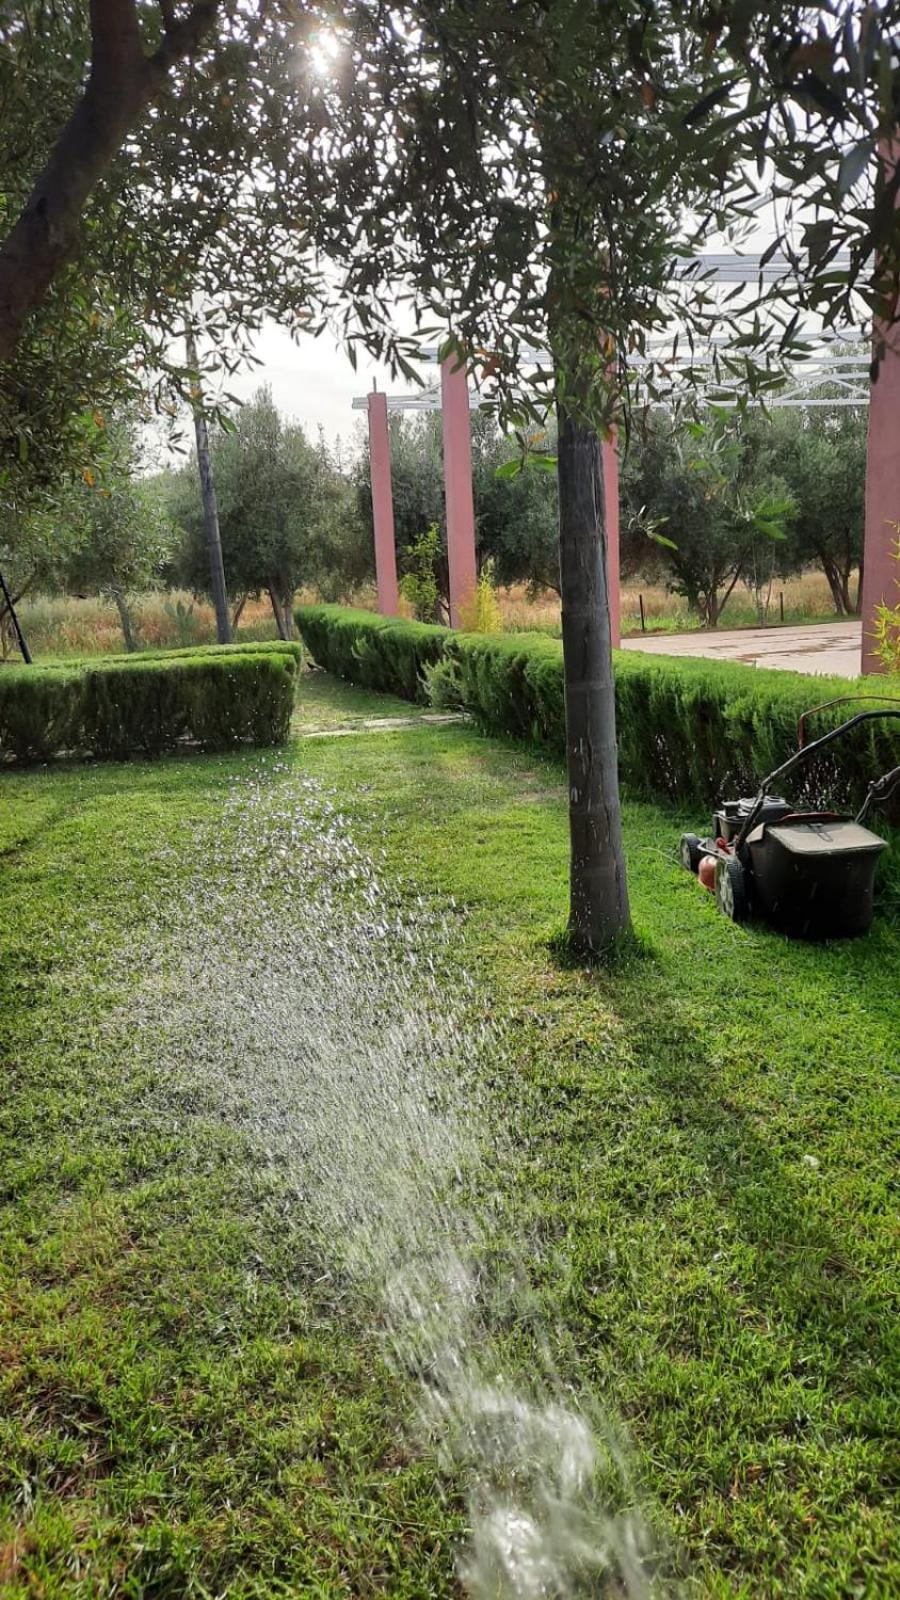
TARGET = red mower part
x,y
706,872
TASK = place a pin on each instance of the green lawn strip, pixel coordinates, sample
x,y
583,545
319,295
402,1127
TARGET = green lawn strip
x,y
325,703
184,1407
712,1159
704,1173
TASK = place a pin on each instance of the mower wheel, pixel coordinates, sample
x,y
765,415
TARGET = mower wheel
x,y
732,897
689,850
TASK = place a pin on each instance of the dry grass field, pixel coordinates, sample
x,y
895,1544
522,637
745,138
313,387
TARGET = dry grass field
x,y
90,626
806,599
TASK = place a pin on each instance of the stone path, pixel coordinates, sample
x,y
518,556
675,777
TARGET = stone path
x,y
384,724
818,647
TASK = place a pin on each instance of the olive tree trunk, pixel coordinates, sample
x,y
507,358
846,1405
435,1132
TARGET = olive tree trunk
x,y
125,620
210,507
598,892
281,611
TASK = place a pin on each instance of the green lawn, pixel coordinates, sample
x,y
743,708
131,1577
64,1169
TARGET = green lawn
x,y
704,1178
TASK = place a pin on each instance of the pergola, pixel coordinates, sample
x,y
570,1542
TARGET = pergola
x,y
840,360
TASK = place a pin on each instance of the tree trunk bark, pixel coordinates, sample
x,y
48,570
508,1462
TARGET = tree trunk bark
x,y
845,588
125,619
598,893
277,610
210,507
122,83
859,586
831,573
238,612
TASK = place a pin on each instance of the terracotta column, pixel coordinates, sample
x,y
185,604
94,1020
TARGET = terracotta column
x,y
880,569
611,507
382,505
457,437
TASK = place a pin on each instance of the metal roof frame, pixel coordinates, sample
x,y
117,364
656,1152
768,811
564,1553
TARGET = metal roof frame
x,y
846,368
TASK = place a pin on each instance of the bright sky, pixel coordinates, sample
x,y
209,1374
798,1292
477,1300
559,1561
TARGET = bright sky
x,y
312,382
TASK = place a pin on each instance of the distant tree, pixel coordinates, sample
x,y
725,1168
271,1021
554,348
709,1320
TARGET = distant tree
x,y
284,513
122,538
515,517
698,492
106,533
820,455
35,547
517,512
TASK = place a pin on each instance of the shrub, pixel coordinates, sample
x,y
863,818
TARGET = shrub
x,y
887,627
203,652
689,730
146,706
375,651
481,612
419,587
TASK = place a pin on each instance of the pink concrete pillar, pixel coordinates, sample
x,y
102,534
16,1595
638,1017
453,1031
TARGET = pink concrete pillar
x,y
611,507
458,485
382,505
880,569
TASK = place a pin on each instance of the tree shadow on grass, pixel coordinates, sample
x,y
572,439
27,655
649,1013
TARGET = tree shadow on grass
x,y
806,1268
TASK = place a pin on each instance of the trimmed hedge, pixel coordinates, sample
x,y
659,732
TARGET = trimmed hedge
x,y
269,647
377,652
689,730
146,706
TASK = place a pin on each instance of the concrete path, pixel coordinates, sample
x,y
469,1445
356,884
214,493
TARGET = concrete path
x,y
817,647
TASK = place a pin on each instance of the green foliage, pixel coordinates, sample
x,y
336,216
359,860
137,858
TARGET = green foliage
x,y
689,730
821,456
887,627
290,649
147,705
481,612
515,510
186,622
419,584
105,533
375,651
715,515
285,513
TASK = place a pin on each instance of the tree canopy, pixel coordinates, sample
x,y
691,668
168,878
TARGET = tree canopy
x,y
286,516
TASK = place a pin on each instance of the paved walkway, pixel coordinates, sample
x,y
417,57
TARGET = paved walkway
x,y
818,647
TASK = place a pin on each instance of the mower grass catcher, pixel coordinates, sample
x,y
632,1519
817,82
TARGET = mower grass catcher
x,y
809,873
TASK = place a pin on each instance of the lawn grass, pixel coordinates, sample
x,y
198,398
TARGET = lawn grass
x,y
705,1172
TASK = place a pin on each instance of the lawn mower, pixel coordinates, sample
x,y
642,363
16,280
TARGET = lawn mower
x,y
809,873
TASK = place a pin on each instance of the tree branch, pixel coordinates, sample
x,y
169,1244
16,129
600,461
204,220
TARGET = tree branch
x,y
182,36
122,83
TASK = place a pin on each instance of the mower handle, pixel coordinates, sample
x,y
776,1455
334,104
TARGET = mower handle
x,y
800,756
842,700
879,789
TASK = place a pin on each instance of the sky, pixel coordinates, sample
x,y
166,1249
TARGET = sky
x,y
312,382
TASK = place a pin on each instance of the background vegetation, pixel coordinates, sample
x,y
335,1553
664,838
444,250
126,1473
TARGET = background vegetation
x,y
723,520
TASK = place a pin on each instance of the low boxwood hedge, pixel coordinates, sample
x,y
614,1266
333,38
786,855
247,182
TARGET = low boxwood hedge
x,y
378,652
144,705
689,730
288,647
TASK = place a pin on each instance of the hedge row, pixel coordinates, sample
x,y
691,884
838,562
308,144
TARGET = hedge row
x,y
203,652
378,652
146,706
689,730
